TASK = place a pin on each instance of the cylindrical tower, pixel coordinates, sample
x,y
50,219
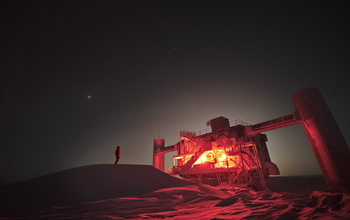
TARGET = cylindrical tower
x,y
158,155
327,142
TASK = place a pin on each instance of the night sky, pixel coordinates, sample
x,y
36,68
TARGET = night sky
x,y
79,78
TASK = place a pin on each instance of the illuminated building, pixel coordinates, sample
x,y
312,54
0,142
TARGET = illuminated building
x,y
222,153
236,152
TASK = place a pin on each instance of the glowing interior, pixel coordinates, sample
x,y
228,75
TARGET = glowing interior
x,y
219,159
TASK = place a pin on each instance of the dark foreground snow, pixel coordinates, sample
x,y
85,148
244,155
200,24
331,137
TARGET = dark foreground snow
x,y
143,192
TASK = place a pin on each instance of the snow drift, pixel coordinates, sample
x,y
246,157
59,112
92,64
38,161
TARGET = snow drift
x,y
143,192
85,184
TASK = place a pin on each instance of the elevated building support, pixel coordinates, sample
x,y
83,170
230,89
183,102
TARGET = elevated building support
x,y
327,142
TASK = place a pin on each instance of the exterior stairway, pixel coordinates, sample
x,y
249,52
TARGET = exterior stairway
x,y
190,162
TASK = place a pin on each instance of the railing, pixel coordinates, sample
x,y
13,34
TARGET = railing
x,y
208,130
238,122
203,131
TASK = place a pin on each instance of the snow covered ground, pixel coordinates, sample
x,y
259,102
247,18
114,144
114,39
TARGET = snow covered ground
x,y
143,192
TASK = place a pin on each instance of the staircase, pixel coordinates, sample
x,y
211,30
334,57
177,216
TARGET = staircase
x,y
183,169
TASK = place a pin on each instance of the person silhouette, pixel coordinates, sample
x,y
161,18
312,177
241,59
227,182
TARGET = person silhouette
x,y
117,154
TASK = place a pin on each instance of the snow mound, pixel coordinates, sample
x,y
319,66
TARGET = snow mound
x,y
84,184
143,192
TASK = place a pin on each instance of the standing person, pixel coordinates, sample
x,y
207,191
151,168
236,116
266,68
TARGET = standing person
x,y
117,154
